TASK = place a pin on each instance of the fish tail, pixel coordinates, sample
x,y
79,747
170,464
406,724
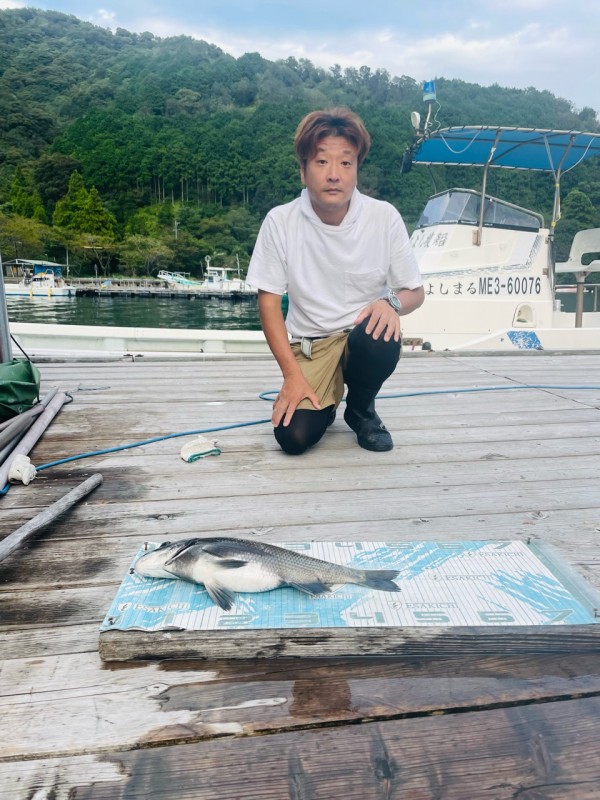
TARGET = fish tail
x,y
381,579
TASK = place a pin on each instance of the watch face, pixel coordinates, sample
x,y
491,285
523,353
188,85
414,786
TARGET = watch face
x,y
393,301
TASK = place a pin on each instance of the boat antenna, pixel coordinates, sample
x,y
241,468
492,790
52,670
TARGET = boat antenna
x,y
422,132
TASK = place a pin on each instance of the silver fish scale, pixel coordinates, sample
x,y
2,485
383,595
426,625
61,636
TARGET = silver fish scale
x,y
288,564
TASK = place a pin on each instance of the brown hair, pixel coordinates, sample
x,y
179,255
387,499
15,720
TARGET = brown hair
x,y
330,122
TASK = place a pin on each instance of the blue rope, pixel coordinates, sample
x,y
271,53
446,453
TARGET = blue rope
x,y
268,395
139,444
271,393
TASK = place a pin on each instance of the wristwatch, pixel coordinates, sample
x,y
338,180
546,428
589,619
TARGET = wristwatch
x,y
393,301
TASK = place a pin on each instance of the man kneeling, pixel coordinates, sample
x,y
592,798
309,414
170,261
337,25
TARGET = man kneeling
x,y
348,268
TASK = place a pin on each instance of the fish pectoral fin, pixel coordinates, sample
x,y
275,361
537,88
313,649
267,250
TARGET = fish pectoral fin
x,y
230,563
219,595
313,587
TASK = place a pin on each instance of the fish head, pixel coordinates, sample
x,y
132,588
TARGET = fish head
x,y
152,564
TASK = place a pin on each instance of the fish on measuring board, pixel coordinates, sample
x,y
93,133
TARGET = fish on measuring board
x,y
227,565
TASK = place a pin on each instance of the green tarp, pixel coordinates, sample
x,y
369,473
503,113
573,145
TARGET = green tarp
x,y
19,387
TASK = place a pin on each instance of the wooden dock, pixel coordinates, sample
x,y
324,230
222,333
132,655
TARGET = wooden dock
x,y
138,287
519,464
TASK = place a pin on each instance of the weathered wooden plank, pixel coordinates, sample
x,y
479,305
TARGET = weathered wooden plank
x,y
47,640
548,750
175,702
214,479
74,606
407,642
367,508
400,390
251,426
261,452
60,562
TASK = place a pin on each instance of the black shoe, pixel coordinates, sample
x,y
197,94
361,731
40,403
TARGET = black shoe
x,y
371,433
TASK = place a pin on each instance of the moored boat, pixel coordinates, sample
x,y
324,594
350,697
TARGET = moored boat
x,y
216,280
39,279
488,265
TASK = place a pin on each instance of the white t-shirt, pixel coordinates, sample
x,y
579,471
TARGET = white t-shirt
x,y
331,272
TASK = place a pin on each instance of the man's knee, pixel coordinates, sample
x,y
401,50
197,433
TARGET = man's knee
x,y
360,341
304,431
367,355
291,441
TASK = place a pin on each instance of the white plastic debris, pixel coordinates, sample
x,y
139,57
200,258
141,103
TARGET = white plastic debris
x,y
199,448
21,470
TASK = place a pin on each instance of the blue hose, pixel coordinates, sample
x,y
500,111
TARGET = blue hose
x,y
271,393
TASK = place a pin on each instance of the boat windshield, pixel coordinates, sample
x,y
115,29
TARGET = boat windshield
x,y
462,206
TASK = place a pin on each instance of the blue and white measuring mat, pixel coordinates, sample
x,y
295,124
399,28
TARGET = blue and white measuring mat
x,y
444,584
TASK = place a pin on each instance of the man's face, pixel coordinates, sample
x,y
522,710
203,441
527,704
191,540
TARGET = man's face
x,y
330,177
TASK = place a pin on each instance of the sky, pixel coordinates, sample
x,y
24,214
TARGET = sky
x,y
545,44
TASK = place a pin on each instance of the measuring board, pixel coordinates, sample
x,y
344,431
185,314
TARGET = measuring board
x,y
480,591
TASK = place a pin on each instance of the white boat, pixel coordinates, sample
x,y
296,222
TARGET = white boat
x,y
40,279
488,267
217,280
177,280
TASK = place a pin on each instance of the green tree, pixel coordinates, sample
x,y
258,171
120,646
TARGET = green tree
x,y
578,206
25,199
95,218
68,209
51,174
577,213
21,237
143,255
83,212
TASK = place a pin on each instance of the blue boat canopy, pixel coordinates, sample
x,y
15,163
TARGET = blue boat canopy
x,y
511,148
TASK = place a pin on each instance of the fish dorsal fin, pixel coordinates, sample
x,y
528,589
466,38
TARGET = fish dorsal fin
x,y
219,595
312,587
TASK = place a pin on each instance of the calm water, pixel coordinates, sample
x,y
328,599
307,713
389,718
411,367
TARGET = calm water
x,y
139,312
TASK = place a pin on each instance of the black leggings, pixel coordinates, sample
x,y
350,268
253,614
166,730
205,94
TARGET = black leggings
x,y
305,429
370,362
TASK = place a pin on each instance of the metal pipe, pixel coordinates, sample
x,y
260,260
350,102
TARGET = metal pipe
x,y
33,434
33,411
490,158
30,415
15,539
19,424
557,173
5,346
580,276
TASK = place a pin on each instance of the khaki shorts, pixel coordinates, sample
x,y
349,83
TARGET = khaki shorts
x,y
324,370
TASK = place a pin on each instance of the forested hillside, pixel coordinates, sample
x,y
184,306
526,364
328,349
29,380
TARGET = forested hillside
x,y
141,153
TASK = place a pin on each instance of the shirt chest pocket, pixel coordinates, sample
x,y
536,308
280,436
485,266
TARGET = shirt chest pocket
x,y
361,288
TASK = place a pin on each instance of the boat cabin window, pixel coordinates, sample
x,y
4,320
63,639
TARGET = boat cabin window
x,y
462,206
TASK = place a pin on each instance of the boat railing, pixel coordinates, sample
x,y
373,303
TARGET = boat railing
x,y
589,288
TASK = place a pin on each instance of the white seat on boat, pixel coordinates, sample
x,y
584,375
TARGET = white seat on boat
x,y
584,243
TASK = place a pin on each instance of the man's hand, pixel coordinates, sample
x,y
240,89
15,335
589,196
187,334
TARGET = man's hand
x,y
295,386
383,320
295,389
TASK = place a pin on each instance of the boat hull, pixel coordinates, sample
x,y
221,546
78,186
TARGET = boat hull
x,y
49,340
25,291
41,340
